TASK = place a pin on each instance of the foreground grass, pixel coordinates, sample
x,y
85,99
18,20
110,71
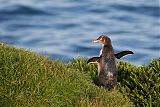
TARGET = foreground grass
x,y
28,79
140,84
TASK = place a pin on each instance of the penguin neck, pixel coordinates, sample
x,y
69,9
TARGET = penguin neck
x,y
107,51
108,47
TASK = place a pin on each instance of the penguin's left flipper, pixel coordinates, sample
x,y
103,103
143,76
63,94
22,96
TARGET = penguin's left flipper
x,y
123,53
94,60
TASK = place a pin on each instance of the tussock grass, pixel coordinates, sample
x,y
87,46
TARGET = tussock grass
x,y
141,84
28,79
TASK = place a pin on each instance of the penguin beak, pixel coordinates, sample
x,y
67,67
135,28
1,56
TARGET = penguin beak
x,y
95,41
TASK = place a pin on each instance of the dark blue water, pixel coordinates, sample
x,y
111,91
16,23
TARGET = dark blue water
x,y
63,29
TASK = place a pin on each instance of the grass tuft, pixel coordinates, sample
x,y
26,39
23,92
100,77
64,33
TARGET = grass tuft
x,y
141,84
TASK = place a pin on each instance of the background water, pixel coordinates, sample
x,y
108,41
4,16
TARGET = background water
x,y
63,29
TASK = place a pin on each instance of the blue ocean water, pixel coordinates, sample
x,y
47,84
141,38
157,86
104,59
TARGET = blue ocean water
x,y
64,29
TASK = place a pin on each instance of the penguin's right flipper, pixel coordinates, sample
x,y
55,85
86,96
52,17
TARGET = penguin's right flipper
x,y
94,60
123,53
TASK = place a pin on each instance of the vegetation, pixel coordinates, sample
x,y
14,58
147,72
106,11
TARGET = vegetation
x,y
141,84
28,79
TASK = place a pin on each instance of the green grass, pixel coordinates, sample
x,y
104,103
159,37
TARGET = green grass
x,y
140,84
28,79
31,80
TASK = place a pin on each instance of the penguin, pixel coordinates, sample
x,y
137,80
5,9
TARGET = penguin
x,y
117,55
107,62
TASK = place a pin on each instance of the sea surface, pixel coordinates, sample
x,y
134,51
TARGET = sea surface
x,y
64,29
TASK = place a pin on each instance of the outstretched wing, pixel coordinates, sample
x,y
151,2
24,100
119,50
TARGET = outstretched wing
x,y
123,53
94,60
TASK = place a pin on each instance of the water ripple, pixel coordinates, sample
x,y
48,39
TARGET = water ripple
x,y
145,10
22,10
64,29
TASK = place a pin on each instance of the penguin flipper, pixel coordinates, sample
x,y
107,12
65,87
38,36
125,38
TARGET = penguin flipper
x,y
94,60
123,53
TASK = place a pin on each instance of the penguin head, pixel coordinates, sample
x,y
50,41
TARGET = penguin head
x,y
104,39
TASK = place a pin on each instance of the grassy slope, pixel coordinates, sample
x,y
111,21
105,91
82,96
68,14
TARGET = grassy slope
x,y
28,79
141,84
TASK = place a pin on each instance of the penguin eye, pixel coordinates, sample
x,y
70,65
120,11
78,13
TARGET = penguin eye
x,y
101,39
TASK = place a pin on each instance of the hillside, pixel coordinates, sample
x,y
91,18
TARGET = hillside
x,y
28,79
